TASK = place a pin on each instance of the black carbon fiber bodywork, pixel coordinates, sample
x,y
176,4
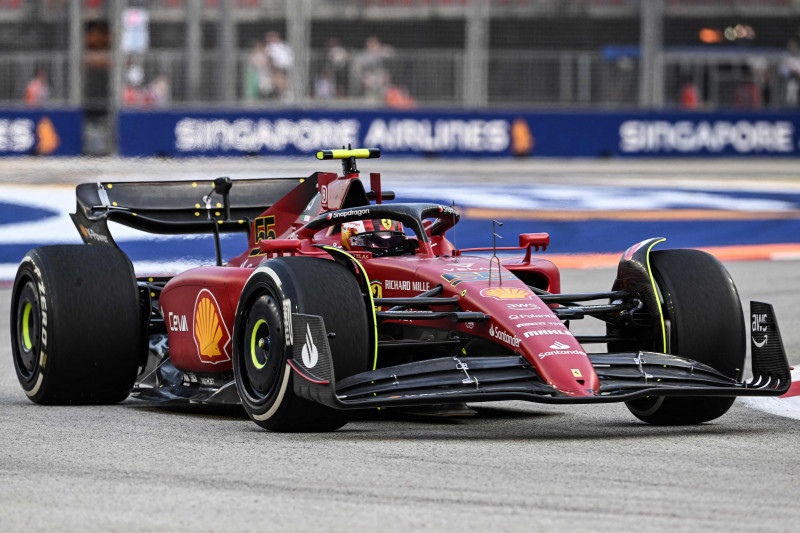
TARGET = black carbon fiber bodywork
x,y
623,377
173,207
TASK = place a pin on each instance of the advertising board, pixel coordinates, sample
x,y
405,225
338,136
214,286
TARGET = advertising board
x,y
41,132
460,134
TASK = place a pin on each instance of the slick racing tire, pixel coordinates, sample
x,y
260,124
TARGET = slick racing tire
x,y
704,321
264,378
76,325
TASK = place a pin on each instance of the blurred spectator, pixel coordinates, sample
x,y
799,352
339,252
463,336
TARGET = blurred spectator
x,y
790,72
325,85
97,58
369,65
159,91
398,98
336,62
759,68
281,60
690,95
133,94
748,93
258,83
37,92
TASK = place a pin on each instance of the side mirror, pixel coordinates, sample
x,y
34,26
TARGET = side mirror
x,y
535,240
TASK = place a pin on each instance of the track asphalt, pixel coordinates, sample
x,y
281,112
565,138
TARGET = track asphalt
x,y
514,467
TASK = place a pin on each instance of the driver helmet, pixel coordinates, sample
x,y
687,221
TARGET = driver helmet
x,y
377,236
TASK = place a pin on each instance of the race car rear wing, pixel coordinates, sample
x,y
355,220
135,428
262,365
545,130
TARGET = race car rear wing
x,y
175,207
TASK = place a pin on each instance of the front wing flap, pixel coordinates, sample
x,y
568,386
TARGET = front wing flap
x,y
623,376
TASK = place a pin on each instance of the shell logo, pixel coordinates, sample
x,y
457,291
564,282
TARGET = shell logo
x,y
507,293
211,335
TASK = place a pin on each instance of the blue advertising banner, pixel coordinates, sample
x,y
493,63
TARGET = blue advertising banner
x,y
460,133
41,132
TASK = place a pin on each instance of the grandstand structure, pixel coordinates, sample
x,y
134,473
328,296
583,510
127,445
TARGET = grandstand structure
x,y
103,55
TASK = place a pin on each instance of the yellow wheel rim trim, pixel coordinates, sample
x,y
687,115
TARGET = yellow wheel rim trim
x,y
658,300
256,364
371,300
26,327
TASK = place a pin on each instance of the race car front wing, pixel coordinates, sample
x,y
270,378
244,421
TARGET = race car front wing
x,y
623,376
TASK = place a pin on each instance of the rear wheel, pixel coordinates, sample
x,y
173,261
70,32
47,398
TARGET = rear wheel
x,y
263,375
703,321
76,326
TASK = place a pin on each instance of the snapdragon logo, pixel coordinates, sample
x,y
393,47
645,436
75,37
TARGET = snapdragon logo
x,y
247,135
355,212
743,136
443,135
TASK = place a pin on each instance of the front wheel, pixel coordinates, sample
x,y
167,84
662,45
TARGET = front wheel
x,y
703,321
264,377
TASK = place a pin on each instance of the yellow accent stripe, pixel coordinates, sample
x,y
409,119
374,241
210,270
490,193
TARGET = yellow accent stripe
x,y
658,300
371,299
256,364
359,153
26,327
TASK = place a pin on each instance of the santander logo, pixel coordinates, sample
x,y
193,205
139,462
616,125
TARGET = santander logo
x,y
504,336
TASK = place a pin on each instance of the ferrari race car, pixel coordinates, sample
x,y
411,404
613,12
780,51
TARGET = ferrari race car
x,y
344,300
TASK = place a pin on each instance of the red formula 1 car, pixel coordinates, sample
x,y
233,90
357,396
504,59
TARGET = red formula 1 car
x,y
343,302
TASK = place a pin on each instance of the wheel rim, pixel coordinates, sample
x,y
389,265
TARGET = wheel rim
x,y
28,330
259,344
263,358
27,344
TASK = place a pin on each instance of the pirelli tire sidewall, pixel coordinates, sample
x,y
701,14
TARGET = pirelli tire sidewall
x,y
703,321
271,281
80,341
31,376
